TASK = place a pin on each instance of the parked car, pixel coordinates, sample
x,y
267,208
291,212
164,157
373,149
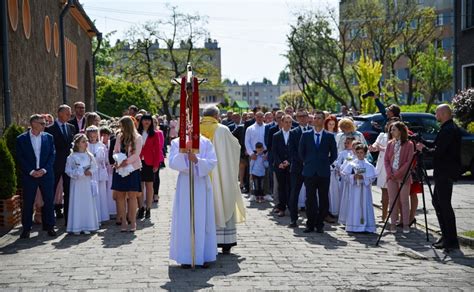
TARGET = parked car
x,y
423,124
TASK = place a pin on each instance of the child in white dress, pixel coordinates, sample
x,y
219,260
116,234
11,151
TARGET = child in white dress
x,y
80,166
98,150
344,157
360,174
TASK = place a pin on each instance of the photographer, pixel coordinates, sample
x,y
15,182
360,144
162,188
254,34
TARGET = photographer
x,y
389,112
446,150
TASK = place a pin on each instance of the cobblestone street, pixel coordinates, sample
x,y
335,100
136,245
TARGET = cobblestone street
x,y
269,256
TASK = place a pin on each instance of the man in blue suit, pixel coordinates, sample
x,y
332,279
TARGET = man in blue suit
x,y
296,165
36,153
318,151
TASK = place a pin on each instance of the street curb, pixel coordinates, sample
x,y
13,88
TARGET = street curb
x,y
463,240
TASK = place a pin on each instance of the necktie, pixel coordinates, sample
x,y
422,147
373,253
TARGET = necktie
x,y
317,140
64,130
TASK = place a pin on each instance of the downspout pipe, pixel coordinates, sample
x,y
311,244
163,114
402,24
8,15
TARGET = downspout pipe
x,y
65,10
6,66
94,65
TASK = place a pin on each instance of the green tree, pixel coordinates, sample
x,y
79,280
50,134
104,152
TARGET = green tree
x,y
283,77
106,55
368,75
434,74
158,51
116,95
7,172
266,81
294,99
317,57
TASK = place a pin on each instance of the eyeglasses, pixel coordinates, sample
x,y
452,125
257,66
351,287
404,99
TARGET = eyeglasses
x,y
41,123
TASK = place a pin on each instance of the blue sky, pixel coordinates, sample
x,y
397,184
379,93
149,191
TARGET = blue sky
x,y
251,33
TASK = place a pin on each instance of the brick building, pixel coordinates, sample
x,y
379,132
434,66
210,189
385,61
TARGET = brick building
x,y
464,44
32,58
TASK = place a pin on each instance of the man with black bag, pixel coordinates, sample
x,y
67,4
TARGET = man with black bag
x,y
446,150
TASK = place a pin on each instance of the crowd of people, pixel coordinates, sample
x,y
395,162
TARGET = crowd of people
x,y
89,171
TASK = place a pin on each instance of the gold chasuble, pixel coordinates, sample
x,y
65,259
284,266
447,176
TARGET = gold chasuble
x,y
228,201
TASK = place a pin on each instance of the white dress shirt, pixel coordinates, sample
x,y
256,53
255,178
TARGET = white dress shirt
x,y
255,133
320,136
286,136
36,143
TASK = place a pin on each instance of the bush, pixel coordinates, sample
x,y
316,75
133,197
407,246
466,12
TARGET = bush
x,y
7,172
463,106
470,127
10,138
417,108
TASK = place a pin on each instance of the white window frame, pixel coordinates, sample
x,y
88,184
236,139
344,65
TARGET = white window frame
x,y
463,83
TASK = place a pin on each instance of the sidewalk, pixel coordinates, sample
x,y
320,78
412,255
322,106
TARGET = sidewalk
x,y
463,205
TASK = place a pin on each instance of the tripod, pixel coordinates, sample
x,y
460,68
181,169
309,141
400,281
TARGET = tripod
x,y
421,173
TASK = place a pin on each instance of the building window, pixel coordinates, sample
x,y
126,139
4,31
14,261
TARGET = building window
x,y
447,44
71,63
26,19
468,13
257,94
47,33
244,93
439,19
13,13
56,39
467,76
402,74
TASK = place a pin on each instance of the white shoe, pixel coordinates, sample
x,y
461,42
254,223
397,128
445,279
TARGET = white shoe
x,y
268,198
406,230
87,232
252,198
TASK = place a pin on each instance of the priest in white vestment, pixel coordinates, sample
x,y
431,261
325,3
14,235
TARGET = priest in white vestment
x,y
205,228
228,204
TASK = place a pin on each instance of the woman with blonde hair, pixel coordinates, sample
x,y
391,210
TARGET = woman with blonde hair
x,y
398,156
127,186
348,128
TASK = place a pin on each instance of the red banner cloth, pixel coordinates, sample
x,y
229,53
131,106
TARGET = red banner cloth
x,y
194,114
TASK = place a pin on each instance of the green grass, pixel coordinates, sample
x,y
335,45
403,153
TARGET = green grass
x,y
469,233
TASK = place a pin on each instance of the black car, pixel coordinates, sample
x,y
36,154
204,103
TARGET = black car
x,y
423,124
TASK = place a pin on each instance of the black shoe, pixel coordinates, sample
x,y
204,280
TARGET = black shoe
x,y
226,250
59,214
320,230
147,214
186,267
52,233
25,234
206,265
308,230
303,209
439,244
141,213
293,224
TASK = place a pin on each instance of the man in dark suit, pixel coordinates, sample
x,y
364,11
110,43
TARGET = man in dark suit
x,y
63,134
296,165
446,150
318,151
244,159
79,121
35,153
281,163
271,130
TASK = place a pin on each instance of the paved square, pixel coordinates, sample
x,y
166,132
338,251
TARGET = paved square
x,y
269,256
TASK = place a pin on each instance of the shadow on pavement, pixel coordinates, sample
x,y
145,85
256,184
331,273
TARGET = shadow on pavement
x,y
414,245
190,280
38,237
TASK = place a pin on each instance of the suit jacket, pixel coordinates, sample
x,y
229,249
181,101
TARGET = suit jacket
x,y
26,155
446,150
239,133
62,144
267,136
152,150
296,164
280,150
407,150
273,130
73,122
317,160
